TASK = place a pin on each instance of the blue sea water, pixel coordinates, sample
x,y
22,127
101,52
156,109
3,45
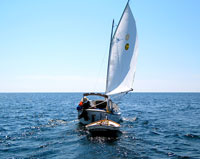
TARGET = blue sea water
x,y
45,125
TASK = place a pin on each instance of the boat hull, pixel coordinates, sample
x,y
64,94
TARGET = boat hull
x,y
97,114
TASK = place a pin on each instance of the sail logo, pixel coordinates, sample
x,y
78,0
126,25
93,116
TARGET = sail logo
x,y
127,36
127,46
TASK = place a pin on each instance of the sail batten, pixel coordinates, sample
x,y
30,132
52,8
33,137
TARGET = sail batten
x,y
123,55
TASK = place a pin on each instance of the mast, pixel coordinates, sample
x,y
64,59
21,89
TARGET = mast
x,y
111,38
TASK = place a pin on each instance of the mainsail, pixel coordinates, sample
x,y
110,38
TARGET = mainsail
x,y
122,55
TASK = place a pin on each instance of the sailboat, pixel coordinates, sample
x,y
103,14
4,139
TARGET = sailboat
x,y
120,73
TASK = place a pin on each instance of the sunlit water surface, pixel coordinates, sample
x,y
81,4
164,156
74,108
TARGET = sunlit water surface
x,y
45,125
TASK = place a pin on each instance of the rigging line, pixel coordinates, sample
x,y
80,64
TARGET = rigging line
x,y
97,104
104,59
100,70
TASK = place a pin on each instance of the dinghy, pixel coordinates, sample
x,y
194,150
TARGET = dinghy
x,y
120,74
103,126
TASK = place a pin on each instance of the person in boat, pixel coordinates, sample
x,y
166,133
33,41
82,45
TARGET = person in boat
x,y
84,104
79,107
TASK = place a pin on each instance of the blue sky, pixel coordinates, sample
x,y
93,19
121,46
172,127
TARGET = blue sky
x,y
62,46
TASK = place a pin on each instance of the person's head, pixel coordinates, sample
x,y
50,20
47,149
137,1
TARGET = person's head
x,y
84,99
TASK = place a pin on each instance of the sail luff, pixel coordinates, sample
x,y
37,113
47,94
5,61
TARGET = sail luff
x,y
111,37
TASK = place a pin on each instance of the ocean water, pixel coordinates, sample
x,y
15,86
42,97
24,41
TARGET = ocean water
x,y
45,125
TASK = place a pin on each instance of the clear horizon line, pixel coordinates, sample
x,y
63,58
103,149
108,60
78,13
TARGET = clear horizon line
x,y
103,92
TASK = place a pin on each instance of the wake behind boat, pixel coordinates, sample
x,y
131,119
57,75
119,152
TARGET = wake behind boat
x,y
120,73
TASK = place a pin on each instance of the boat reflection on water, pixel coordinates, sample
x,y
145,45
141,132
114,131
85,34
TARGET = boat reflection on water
x,y
112,134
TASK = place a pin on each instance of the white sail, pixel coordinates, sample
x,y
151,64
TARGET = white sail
x,y
123,55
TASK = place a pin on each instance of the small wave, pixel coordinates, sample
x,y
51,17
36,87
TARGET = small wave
x,y
45,145
155,132
51,123
192,136
130,119
72,121
145,122
171,154
2,129
57,121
